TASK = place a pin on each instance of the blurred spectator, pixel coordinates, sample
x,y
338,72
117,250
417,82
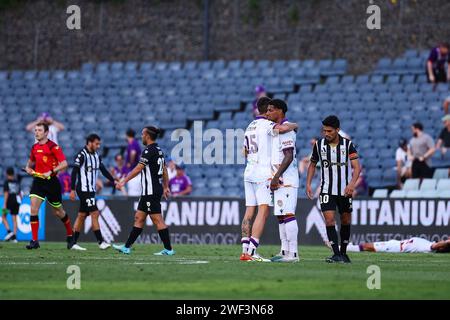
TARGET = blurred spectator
x,y
65,180
436,63
446,104
304,162
11,203
171,168
422,149
53,126
132,158
119,170
443,142
181,184
260,91
403,160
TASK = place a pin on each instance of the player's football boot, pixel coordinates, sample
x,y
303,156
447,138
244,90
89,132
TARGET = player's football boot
x,y
258,258
345,258
336,258
288,259
77,247
245,257
33,245
122,249
279,256
9,236
165,252
104,245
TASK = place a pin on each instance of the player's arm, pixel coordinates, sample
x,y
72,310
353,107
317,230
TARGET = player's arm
x,y
131,175
166,189
285,127
30,126
73,181
62,162
431,150
288,158
58,125
29,167
5,195
106,173
61,166
312,170
355,176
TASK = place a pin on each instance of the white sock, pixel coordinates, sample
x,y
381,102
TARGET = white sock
x,y
283,238
254,243
245,242
353,247
292,236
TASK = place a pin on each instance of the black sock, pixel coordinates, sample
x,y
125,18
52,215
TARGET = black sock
x,y
165,237
345,237
134,234
98,235
8,231
333,238
76,235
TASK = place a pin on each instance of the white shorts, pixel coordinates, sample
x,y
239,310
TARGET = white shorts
x,y
257,194
387,246
285,201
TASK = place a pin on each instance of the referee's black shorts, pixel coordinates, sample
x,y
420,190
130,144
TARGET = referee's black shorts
x,y
150,204
88,203
47,188
331,202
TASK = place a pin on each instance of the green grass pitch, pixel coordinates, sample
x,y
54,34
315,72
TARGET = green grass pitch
x,y
214,272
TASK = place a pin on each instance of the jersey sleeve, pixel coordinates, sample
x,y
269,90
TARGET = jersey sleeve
x,y
6,186
352,153
398,155
287,141
188,181
433,55
32,157
79,160
270,128
58,153
315,154
146,156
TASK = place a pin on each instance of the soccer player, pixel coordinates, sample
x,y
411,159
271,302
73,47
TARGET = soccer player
x,y
413,245
284,184
84,176
47,159
155,184
337,156
11,190
257,174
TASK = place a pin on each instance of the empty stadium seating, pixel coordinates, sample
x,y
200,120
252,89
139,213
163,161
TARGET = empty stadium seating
x,y
376,109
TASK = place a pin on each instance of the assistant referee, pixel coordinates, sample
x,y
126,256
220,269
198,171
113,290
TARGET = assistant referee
x,y
47,159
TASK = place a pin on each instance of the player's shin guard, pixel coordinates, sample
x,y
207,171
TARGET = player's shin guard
x,y
98,236
245,241
333,238
292,235
66,221
165,238
134,234
254,243
283,237
345,237
34,221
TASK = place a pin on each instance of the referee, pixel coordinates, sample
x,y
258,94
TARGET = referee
x,y
337,155
47,159
154,185
84,178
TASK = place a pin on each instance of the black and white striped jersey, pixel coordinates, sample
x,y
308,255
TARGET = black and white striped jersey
x,y
89,165
335,164
152,158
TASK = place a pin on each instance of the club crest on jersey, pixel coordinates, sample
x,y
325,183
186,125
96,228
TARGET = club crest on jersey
x,y
280,203
44,158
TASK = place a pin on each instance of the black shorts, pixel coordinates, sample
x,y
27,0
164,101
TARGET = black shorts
x,y
12,205
50,189
150,204
330,203
88,203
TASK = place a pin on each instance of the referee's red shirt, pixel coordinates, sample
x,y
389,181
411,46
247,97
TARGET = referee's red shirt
x,y
46,156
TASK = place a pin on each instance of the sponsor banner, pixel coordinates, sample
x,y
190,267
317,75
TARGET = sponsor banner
x,y
23,221
218,221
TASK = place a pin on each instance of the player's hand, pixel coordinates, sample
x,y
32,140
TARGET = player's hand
x,y
349,189
72,195
275,183
29,171
432,79
120,185
166,193
47,174
309,192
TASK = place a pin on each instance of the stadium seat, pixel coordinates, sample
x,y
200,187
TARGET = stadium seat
x,y
440,174
443,184
397,194
428,184
411,184
380,193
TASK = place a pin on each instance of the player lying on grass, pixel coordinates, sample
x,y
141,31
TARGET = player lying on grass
x,y
47,159
154,185
413,245
257,174
284,184
84,179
